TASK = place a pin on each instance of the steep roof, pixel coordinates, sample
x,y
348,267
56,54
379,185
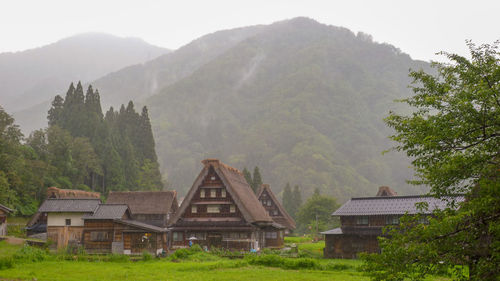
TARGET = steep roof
x,y
6,209
54,192
69,205
287,220
145,202
391,205
237,187
108,211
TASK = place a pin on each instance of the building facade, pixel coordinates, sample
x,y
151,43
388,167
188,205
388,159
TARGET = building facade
x,y
221,211
4,212
274,208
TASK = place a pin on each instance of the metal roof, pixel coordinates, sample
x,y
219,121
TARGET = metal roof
x,y
392,205
142,225
337,230
69,205
108,211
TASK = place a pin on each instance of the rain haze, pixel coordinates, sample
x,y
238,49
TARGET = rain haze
x,y
419,30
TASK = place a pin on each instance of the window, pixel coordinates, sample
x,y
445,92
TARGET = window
x,y
223,193
232,209
194,209
275,212
212,178
202,193
178,236
213,193
213,209
198,235
99,236
392,220
268,202
271,235
68,221
362,220
234,235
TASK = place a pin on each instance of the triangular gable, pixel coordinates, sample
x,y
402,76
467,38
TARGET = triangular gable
x,y
242,196
266,188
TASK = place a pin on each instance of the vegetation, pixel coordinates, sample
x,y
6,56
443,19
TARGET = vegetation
x,y
254,181
316,214
292,200
453,137
81,149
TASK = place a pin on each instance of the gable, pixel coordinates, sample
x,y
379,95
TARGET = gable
x,y
274,207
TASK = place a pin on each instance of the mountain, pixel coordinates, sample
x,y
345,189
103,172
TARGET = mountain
x,y
302,100
32,77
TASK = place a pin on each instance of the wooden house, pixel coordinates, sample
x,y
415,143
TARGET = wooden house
x,y
110,229
275,209
221,210
150,207
362,220
4,211
38,222
65,219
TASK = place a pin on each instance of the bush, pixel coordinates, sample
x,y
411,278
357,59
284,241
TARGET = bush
x,y
6,263
30,254
180,254
286,263
146,256
336,266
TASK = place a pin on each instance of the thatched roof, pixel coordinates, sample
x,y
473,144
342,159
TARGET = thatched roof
x,y
386,191
145,202
286,220
54,192
236,186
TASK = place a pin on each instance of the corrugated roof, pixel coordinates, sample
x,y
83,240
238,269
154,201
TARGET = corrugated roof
x,y
69,205
394,205
145,202
108,211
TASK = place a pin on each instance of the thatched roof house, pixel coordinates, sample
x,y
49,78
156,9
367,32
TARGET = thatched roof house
x,y
274,208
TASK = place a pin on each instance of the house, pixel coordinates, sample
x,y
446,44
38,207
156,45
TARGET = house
x,y
110,229
65,219
150,207
275,209
38,223
221,211
4,211
362,220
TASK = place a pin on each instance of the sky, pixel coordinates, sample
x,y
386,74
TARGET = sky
x,y
419,28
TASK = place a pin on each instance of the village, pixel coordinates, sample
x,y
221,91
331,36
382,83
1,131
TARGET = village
x,y
220,211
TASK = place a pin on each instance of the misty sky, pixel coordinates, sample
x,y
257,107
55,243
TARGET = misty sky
x,y
419,28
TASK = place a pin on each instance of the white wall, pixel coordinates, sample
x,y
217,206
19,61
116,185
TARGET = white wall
x,y
59,219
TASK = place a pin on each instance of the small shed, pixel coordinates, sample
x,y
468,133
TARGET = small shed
x,y
4,211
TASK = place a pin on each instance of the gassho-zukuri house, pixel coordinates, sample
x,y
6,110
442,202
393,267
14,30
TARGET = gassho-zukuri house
x,y
362,220
221,210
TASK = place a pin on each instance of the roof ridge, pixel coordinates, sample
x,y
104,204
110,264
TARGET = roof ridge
x,y
404,196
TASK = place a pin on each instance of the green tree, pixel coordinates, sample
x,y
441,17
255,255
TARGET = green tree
x,y
248,177
288,199
453,137
316,214
257,179
297,200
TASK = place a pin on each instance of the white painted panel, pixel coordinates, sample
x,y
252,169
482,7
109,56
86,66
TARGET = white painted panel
x,y
59,219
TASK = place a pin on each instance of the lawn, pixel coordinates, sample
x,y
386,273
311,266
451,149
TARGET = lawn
x,y
196,266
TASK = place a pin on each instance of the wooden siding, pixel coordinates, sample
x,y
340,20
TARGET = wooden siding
x,y
62,236
348,246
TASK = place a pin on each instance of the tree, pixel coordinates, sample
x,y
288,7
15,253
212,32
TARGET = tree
x,y
316,214
288,199
257,179
296,199
453,137
248,177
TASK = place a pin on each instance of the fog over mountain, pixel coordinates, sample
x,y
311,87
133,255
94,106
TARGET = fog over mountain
x,y
34,76
302,100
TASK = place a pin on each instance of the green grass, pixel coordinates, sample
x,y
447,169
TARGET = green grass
x,y
297,240
195,265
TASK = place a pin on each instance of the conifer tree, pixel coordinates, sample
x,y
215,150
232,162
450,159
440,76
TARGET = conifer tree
x,y
296,199
248,177
56,111
288,199
257,179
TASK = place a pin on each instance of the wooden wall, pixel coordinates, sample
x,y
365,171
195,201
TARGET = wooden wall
x,y
349,246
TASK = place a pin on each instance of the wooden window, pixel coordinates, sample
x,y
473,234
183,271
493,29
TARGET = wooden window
x,y
363,220
178,236
213,193
223,193
243,235
213,209
392,220
96,236
268,202
232,209
194,209
68,221
234,235
271,235
202,193
275,212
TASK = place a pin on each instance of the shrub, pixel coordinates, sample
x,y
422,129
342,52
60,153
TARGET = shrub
x,y
146,256
6,263
30,254
336,266
180,254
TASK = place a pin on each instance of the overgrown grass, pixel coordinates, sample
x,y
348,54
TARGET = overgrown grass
x,y
297,240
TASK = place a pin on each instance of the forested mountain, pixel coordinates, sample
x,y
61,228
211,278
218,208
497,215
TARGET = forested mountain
x,y
301,100
34,76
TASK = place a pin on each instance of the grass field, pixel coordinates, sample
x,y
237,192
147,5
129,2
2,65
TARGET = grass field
x,y
34,264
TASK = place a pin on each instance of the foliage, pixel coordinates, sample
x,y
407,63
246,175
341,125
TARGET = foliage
x,y
30,254
453,137
316,214
288,203
146,256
